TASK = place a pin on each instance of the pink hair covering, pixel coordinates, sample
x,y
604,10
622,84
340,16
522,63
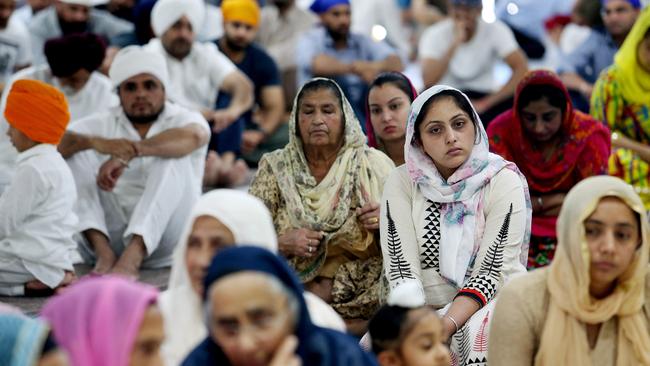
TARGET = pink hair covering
x,y
97,320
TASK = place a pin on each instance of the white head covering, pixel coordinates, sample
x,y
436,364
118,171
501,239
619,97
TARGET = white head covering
x,y
133,60
250,223
85,2
167,12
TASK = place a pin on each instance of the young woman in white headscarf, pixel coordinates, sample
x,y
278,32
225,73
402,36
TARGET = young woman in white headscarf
x,y
221,218
455,219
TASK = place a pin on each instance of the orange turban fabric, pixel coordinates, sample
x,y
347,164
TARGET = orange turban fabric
x,y
245,11
38,110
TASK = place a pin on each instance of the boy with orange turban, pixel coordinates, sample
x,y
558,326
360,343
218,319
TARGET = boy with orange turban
x,y
36,217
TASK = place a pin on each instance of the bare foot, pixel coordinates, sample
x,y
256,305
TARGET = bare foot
x,y
38,288
237,175
212,168
104,262
129,271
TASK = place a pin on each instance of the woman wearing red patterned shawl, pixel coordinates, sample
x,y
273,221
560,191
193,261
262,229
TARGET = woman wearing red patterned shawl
x,y
554,146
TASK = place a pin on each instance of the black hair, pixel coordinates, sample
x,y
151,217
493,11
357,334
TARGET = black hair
x,y
319,84
532,93
461,102
394,78
385,327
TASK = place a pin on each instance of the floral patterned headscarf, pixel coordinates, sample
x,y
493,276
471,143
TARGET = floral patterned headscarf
x,y
461,195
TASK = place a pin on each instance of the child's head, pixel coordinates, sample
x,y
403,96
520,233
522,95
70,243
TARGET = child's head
x,y
37,113
406,335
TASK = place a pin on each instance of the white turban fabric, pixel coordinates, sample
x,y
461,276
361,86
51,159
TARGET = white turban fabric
x,y
133,60
167,12
85,2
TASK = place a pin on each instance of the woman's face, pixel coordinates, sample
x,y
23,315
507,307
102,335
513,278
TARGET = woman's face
x,y
320,119
250,318
612,234
208,236
146,348
423,346
389,110
540,120
447,135
643,54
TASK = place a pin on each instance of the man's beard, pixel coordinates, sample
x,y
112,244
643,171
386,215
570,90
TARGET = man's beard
x,y
146,119
72,27
337,36
282,4
179,48
234,46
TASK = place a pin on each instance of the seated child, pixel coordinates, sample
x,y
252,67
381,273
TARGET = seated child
x,y
36,218
407,333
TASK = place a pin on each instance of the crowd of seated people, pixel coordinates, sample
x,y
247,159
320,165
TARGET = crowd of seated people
x,y
328,182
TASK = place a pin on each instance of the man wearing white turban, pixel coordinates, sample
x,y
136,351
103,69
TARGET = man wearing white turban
x,y
138,168
77,16
198,72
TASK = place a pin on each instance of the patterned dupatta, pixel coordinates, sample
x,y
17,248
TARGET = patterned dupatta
x,y
461,196
358,174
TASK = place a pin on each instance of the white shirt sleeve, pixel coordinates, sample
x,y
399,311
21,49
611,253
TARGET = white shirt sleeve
x,y
220,66
24,47
503,39
20,199
435,40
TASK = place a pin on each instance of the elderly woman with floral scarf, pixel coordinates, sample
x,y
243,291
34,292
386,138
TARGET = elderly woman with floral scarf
x,y
455,219
590,306
621,99
323,190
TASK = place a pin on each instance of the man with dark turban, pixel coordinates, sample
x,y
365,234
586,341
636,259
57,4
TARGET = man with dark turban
x,y
72,61
37,221
77,16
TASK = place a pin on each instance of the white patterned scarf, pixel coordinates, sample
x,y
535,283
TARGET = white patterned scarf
x,y
461,195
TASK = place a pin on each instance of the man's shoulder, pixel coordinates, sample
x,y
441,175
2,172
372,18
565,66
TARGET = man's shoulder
x,y
44,22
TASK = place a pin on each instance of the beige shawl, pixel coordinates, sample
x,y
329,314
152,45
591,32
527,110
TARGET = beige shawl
x,y
564,338
358,172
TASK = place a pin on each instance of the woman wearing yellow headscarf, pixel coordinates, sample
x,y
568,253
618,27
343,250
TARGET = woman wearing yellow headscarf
x,y
587,307
621,98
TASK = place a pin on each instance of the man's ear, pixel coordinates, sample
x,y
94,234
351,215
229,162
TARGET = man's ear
x,y
389,358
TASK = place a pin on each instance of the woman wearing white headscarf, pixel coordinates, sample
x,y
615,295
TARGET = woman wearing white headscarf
x,y
221,218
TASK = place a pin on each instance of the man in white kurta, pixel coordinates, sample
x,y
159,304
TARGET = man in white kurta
x,y
138,168
72,61
37,222
197,71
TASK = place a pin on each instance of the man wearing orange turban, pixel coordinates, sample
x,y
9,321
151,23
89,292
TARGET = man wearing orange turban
x,y
240,25
37,221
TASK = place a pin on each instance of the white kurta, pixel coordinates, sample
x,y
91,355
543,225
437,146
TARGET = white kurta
x,y
194,82
37,221
152,198
97,95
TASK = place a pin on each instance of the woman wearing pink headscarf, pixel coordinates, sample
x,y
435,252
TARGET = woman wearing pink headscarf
x,y
107,321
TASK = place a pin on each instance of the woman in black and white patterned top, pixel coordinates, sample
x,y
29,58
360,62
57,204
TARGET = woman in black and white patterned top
x,y
455,219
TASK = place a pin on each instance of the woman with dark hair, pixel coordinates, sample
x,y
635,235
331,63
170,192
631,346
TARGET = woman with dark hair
x,y
389,100
323,190
407,333
621,99
455,219
555,147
